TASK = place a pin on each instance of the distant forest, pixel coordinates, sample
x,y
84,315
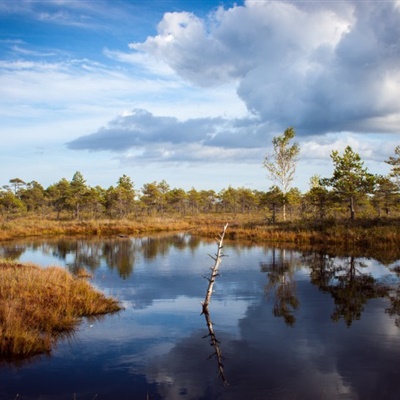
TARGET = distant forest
x,y
352,192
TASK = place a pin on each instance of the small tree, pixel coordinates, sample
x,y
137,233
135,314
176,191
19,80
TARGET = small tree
x,y
247,199
293,200
154,196
281,165
228,199
58,195
33,196
272,199
78,190
386,195
208,200
317,197
121,199
350,179
395,163
17,184
177,200
194,200
10,204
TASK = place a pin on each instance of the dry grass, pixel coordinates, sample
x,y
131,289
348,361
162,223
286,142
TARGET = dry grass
x,y
253,227
37,305
364,233
29,227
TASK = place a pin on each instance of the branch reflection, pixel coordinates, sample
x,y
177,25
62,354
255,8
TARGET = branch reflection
x,y
217,354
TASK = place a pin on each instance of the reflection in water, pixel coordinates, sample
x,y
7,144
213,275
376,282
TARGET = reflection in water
x,y
120,255
82,254
217,354
345,280
154,347
281,282
11,252
394,297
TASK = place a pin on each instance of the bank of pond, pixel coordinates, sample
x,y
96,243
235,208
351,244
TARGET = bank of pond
x,y
366,232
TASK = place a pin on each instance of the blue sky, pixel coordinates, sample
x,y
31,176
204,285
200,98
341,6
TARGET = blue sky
x,y
194,91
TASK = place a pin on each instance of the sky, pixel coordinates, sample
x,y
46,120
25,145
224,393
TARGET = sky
x,y
193,91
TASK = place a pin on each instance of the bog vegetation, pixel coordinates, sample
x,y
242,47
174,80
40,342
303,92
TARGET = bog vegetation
x,y
38,305
351,194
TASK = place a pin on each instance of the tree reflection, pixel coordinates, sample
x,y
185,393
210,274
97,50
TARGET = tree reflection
x,y
12,252
352,290
120,255
87,254
281,282
78,253
394,298
194,242
160,245
321,266
347,283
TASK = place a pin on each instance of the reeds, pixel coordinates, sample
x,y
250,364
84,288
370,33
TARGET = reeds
x,y
38,305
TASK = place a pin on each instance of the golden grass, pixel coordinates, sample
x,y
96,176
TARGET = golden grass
x,y
37,305
363,233
253,227
29,227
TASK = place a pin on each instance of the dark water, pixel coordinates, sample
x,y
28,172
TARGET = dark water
x,y
290,324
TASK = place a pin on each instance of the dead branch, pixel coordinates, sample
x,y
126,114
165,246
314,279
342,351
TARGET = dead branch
x,y
214,270
213,339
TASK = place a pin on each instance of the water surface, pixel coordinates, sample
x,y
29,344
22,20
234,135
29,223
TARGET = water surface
x,y
290,324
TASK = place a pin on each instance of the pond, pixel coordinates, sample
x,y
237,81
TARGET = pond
x,y
290,324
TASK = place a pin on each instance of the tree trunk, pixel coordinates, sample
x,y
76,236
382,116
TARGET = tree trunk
x,y
284,211
273,213
352,212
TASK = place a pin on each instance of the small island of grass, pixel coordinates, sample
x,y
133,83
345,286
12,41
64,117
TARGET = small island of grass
x,y
37,305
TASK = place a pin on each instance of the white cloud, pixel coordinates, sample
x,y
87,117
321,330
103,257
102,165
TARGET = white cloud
x,y
215,89
323,68
167,139
146,62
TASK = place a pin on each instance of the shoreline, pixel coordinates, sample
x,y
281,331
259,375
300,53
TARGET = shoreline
x,y
362,233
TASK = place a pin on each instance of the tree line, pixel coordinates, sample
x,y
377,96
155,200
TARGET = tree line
x,y
351,182
351,190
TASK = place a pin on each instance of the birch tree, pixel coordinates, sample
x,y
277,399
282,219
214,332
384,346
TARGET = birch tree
x,y
281,165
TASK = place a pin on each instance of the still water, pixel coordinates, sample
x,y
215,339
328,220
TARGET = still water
x,y
290,324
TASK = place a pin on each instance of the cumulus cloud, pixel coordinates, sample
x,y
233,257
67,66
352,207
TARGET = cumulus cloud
x,y
329,69
325,67
158,138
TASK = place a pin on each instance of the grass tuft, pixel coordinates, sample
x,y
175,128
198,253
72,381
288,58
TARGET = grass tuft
x,y
38,305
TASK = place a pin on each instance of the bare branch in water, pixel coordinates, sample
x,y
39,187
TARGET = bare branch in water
x,y
213,339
